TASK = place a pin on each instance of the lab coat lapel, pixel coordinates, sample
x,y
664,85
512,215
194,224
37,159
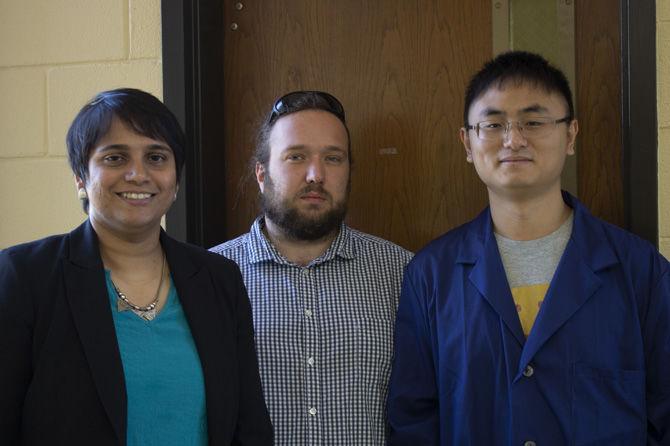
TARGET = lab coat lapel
x,y
488,274
86,293
574,282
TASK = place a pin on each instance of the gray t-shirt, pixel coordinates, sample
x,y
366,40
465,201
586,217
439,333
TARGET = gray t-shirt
x,y
529,266
531,262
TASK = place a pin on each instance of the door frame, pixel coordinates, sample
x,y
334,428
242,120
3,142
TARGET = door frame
x,y
192,88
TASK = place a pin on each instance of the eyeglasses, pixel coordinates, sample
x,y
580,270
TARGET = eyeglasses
x,y
306,100
529,127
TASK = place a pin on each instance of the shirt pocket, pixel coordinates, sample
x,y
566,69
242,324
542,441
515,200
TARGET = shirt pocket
x,y
608,406
375,350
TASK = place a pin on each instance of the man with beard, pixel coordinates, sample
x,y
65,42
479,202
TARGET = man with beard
x,y
324,296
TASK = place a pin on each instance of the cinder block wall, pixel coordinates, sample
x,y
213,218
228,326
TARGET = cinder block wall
x,y
54,56
663,105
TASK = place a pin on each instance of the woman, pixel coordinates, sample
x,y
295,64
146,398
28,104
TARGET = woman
x,y
115,333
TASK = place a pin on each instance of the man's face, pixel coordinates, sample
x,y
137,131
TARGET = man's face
x,y
305,185
518,164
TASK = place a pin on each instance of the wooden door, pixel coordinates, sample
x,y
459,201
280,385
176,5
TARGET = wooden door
x,y
399,67
599,141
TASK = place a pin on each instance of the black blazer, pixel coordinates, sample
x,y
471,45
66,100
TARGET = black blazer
x,y
61,377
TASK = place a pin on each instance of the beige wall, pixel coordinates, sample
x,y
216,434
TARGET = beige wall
x,y
55,55
58,53
663,105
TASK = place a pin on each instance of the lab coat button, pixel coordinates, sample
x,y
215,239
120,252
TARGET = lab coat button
x,y
528,372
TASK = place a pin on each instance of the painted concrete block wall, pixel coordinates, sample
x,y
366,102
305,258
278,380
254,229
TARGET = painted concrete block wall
x,y
663,105
56,55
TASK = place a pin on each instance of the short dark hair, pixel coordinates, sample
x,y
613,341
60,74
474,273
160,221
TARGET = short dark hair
x,y
300,101
521,67
139,110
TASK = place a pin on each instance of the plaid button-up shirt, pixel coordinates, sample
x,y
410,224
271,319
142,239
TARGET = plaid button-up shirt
x,y
324,334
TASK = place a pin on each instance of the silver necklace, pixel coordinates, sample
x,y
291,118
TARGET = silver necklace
x,y
149,312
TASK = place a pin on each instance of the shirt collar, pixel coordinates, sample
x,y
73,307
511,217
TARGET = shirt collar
x,y
262,250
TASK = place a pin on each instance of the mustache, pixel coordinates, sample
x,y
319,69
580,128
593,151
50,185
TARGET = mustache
x,y
314,188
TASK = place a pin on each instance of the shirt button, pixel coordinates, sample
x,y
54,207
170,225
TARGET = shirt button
x,y
312,411
308,312
528,372
305,272
310,361
529,443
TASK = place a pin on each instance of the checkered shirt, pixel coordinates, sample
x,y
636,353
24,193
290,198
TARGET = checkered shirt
x,y
324,334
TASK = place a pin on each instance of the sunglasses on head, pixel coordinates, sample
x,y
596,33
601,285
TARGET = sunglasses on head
x,y
306,100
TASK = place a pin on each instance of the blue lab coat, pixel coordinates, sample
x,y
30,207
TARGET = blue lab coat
x,y
595,369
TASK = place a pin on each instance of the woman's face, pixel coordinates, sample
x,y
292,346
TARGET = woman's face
x,y
132,181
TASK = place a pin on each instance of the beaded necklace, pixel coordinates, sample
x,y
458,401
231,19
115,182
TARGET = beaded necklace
x,y
148,312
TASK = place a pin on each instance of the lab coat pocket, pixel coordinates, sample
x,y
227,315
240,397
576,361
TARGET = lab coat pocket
x,y
608,406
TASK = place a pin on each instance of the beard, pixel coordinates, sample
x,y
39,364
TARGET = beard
x,y
299,225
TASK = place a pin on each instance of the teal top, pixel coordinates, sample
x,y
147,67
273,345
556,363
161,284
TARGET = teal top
x,y
165,387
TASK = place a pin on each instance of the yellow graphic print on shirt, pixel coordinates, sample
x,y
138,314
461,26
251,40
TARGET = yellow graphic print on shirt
x,y
528,300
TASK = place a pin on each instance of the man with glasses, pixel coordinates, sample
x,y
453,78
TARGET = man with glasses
x,y
324,296
536,323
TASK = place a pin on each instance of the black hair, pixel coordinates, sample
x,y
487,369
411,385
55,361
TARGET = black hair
x,y
520,67
139,110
